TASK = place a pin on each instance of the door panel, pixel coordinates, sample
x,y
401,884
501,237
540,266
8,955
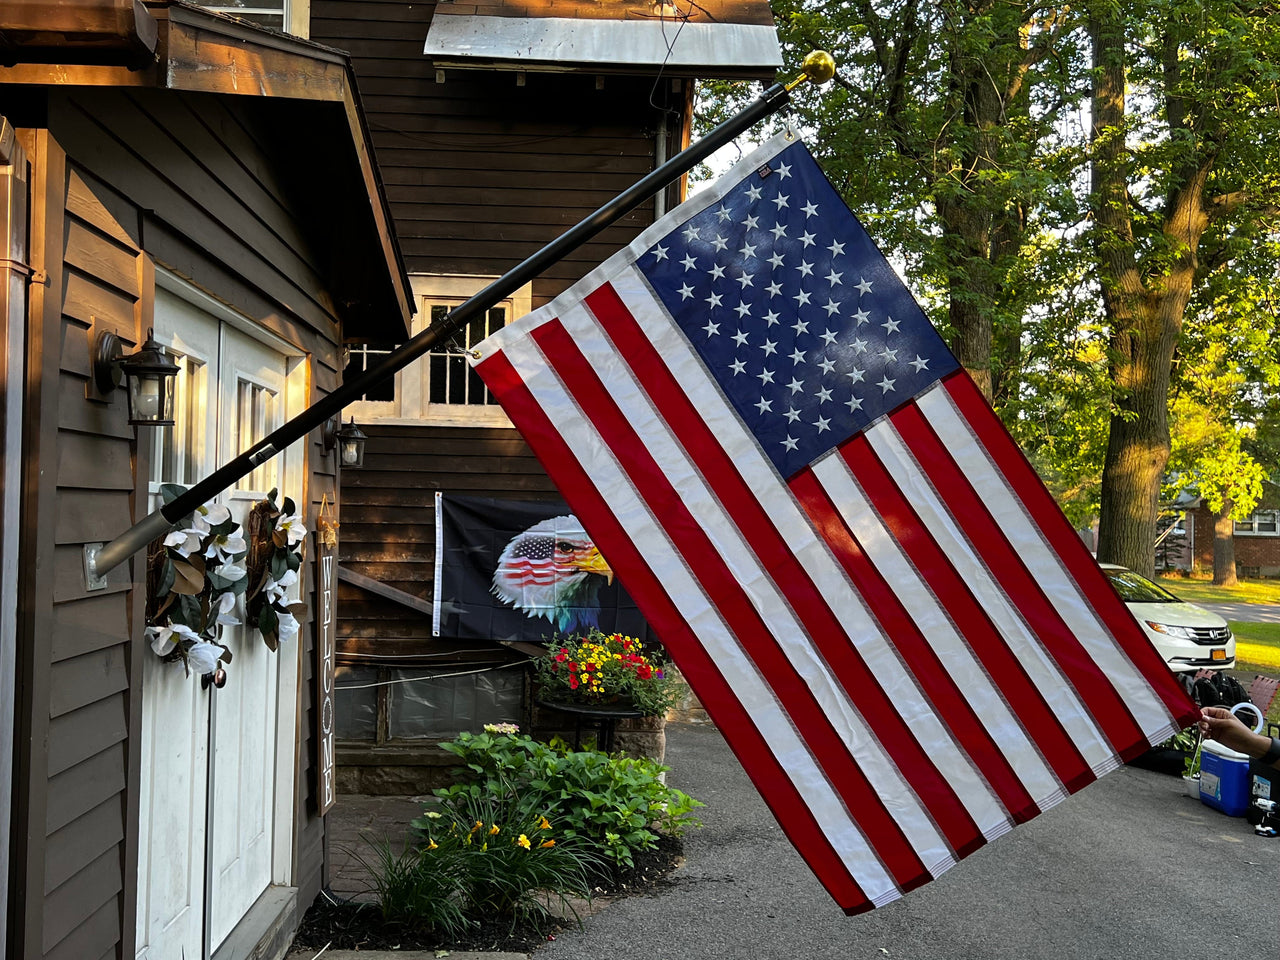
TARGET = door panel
x,y
252,379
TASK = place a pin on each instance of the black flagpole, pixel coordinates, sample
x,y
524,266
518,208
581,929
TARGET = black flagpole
x,y
818,67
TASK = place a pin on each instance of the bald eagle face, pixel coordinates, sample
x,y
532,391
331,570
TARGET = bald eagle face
x,y
553,570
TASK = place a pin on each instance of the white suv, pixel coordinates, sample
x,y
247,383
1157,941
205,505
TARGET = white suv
x,y
1187,636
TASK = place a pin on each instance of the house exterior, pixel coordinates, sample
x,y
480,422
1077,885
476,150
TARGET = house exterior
x,y
497,126
1256,539
165,168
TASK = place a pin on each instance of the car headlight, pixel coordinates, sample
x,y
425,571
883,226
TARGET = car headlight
x,y
1180,633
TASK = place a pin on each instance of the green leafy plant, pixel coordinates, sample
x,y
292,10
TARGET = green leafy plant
x,y
605,668
615,804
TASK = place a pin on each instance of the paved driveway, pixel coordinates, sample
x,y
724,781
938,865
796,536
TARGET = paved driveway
x,y
1246,612
1128,869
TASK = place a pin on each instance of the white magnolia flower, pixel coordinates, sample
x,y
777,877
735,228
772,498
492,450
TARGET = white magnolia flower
x,y
232,572
276,589
216,513
165,639
288,628
203,657
292,525
224,545
184,542
226,606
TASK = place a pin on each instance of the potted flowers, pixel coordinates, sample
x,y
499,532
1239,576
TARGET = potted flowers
x,y
605,669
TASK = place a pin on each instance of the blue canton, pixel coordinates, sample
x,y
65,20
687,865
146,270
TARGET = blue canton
x,y
797,314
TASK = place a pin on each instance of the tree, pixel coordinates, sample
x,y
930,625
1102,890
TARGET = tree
x,y
1183,172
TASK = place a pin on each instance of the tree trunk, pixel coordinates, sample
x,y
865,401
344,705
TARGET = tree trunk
x,y
1224,547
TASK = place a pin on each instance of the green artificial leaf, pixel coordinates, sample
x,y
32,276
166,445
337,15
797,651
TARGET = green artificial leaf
x,y
268,622
167,576
278,565
170,492
293,560
289,508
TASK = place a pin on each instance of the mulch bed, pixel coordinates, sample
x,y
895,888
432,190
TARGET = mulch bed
x,y
354,925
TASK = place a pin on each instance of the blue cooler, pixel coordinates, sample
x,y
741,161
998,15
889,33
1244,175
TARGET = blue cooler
x,y
1224,778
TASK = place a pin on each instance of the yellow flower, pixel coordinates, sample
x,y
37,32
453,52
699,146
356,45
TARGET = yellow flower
x,y
523,841
432,845
484,846
494,829
545,824
479,825
547,843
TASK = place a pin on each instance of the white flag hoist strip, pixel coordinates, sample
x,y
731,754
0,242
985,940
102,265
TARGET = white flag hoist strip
x,y
866,584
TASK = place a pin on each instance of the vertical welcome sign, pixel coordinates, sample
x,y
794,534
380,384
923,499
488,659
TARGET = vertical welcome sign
x,y
326,572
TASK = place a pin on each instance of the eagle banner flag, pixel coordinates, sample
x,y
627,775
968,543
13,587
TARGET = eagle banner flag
x,y
523,570
868,587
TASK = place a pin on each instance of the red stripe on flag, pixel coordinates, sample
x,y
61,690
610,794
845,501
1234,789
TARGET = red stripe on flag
x,y
1040,506
916,653
1108,710
731,718
823,628
707,565
968,616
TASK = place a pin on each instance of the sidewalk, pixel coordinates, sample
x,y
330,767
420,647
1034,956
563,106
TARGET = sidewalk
x,y
356,824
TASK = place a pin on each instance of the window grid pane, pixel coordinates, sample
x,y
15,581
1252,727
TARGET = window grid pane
x,y
450,379
179,451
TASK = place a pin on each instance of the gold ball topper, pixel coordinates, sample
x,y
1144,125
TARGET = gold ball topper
x,y
819,66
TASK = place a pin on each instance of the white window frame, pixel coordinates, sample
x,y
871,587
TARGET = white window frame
x,y
1249,527
295,14
410,406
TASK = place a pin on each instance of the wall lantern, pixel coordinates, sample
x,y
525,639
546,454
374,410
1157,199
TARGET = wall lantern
x,y
150,375
349,439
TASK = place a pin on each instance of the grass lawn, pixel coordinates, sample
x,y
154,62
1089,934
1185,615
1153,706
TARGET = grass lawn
x,y
1258,651
1204,591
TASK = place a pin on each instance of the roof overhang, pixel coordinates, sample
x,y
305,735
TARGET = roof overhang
x,y
198,51
718,39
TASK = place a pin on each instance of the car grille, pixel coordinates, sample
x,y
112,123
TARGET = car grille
x,y
1211,636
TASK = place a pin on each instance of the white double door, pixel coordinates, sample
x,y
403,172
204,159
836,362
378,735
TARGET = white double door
x,y
216,788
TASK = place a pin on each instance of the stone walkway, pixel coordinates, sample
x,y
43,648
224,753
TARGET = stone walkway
x,y
356,825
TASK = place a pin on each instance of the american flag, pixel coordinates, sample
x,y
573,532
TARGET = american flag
x,y
866,584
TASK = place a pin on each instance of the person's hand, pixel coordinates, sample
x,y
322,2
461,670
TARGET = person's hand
x,y
1219,723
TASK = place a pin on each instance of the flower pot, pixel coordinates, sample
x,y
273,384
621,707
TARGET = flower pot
x,y
1192,785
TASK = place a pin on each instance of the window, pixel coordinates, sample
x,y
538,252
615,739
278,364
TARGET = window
x,y
441,388
268,13
1263,523
179,455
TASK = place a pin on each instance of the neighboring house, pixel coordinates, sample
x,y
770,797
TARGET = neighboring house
x,y
497,126
164,167
1256,539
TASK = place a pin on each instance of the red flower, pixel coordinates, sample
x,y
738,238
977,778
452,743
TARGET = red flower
x,y
562,656
573,683
573,667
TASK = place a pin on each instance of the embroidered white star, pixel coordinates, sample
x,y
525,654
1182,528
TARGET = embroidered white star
x,y
856,375
891,325
822,423
781,200
738,366
792,414
691,233
774,289
723,213
805,268
764,406
797,355
824,395
790,443
689,263
740,338
827,366
808,239
861,317
858,344
890,356
751,222
765,375
836,248
886,385
801,298
719,242
712,329
830,336
864,285
919,364
771,318
745,279
800,326
833,278
796,385
743,309
748,249
714,300
784,171
778,231
810,209
685,292
854,404
660,252
831,307
769,348
716,272
754,192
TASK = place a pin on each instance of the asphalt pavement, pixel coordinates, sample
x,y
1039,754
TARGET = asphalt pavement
x,y
1245,612
1130,868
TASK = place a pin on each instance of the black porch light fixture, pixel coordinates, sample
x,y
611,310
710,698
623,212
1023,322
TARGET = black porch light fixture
x,y
349,439
149,374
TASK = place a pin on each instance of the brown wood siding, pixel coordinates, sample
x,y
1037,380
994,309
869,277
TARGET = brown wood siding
x,y
191,182
480,173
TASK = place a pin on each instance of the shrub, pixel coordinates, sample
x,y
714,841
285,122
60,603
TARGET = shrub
x,y
613,803
605,668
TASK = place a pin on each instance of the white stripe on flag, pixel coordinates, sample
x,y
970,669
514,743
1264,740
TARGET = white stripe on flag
x,y
938,630
765,597
1024,644
791,523
734,665
1065,596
